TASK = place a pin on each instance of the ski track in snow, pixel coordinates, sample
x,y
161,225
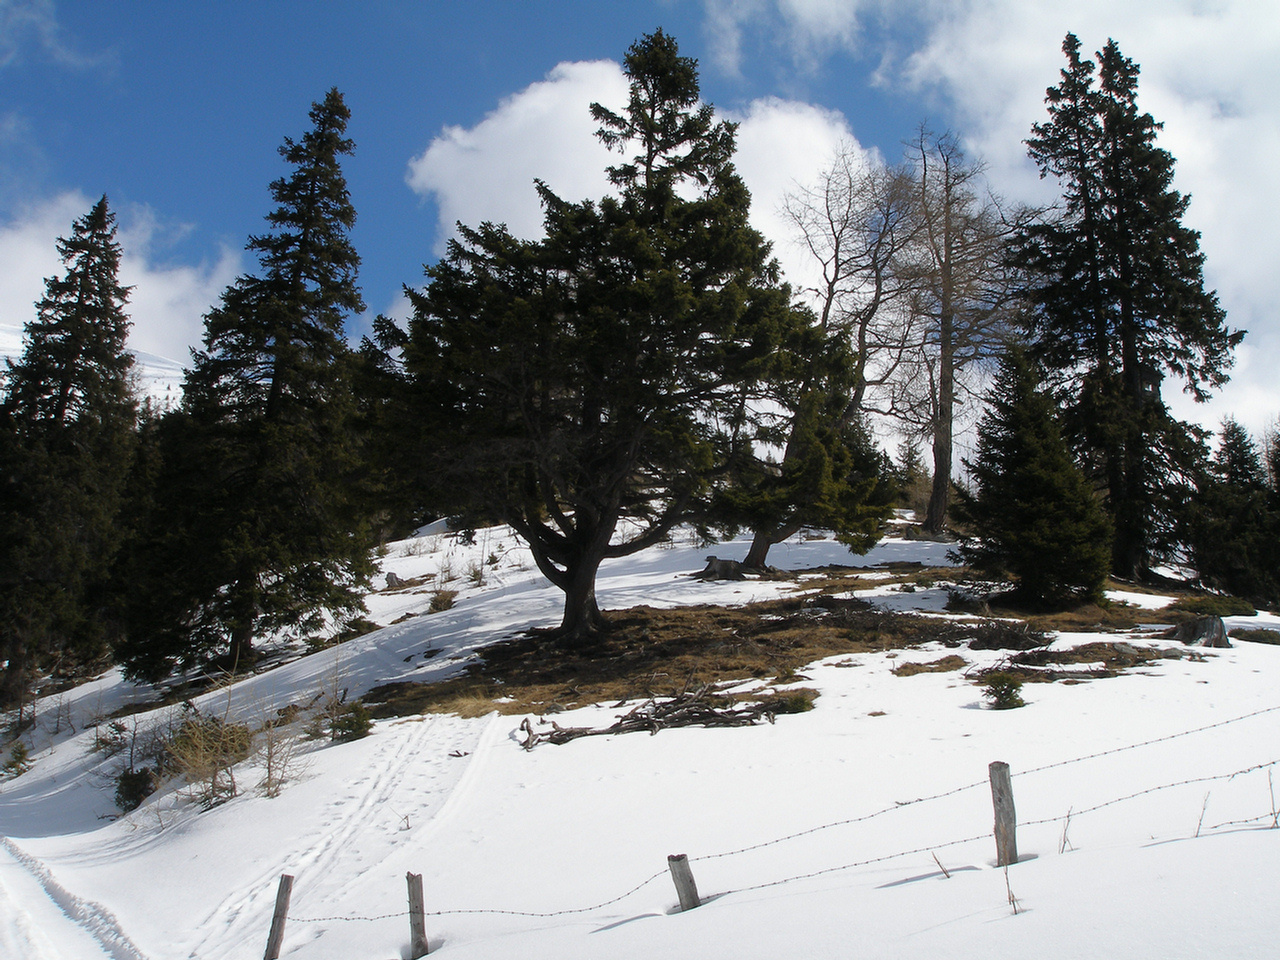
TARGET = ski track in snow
x,y
92,918
364,809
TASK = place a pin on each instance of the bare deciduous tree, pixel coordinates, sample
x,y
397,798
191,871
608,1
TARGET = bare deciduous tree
x,y
859,224
962,296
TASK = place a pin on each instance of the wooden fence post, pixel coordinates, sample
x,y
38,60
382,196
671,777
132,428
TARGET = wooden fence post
x,y
417,917
1006,819
687,890
278,918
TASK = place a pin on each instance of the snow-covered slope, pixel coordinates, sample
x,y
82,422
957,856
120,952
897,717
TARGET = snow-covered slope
x,y
862,828
158,377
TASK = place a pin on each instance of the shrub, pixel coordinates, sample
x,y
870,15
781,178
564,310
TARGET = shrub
x,y
1215,606
791,701
19,761
1261,635
351,723
442,600
113,739
205,750
1003,690
134,786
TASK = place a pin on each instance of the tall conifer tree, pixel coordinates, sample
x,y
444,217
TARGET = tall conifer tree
x,y
66,439
1118,296
596,382
257,510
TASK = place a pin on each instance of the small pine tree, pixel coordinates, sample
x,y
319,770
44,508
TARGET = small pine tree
x,y
66,440
1032,514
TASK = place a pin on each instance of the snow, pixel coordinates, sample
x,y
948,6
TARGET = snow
x,y
158,378
815,836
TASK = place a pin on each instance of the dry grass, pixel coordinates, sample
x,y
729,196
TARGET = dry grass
x,y
1088,661
945,665
649,652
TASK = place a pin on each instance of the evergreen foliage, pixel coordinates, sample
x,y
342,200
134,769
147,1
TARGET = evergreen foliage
x,y
600,380
1032,514
1118,297
831,476
258,523
1232,525
66,441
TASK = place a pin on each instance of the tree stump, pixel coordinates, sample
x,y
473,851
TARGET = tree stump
x,y
1205,632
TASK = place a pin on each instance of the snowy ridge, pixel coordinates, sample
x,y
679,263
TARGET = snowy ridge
x,y
100,922
158,378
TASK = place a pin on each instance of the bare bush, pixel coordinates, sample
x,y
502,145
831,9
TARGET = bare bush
x,y
205,749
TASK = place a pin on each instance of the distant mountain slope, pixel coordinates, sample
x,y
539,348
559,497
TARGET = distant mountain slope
x,y
158,377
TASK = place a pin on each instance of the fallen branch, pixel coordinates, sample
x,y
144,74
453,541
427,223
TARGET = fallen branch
x,y
683,710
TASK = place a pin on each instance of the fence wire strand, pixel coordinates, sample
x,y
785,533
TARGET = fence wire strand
x,y
861,819
1147,743
1164,786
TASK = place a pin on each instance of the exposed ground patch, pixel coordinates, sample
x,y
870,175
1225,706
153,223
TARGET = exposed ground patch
x,y
646,652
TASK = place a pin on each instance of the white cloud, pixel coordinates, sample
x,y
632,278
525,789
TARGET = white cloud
x,y
783,145
33,25
168,302
545,131
1209,72
811,29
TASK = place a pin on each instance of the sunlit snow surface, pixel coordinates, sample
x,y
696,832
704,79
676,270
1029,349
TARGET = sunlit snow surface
x,y
1111,866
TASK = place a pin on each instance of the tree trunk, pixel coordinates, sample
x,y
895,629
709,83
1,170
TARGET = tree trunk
x,y
759,551
940,496
14,678
763,540
243,622
581,620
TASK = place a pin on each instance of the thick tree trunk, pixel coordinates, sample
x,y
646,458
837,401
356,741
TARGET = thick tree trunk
x,y
759,552
15,678
581,621
244,621
940,494
1130,494
763,540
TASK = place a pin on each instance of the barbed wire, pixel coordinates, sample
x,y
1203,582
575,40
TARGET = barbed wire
x,y
863,818
839,823
1142,793
1147,743
859,863
385,916
971,786
511,913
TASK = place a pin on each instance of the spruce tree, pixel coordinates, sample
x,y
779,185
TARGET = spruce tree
x,y
594,388
66,440
257,521
830,476
1118,299
1232,524
1032,514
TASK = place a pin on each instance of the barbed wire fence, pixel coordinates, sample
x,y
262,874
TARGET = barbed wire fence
x,y
417,914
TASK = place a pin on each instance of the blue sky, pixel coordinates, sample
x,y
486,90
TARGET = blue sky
x,y
175,111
